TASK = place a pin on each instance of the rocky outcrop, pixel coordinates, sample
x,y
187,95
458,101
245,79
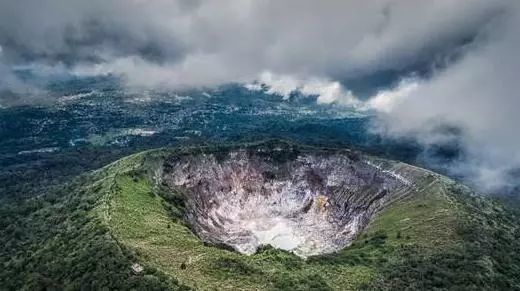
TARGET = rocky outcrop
x,y
306,201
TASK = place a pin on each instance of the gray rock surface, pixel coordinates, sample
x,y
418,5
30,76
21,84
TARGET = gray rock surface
x,y
311,203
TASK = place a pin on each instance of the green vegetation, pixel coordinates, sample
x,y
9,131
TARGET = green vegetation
x,y
139,219
55,242
485,258
90,233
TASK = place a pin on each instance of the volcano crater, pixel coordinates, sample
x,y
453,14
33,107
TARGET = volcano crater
x,y
305,202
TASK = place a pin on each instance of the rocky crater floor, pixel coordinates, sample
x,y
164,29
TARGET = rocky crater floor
x,y
306,202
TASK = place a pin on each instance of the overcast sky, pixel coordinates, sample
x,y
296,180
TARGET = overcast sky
x,y
454,62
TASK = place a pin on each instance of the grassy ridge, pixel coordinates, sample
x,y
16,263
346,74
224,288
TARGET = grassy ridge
x,y
89,233
140,219
59,242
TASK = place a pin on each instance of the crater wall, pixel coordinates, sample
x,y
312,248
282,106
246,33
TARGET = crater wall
x,y
306,202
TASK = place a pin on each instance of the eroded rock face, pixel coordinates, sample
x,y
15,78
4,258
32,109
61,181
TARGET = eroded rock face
x,y
309,203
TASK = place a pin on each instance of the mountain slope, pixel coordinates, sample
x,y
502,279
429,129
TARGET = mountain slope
x,y
127,225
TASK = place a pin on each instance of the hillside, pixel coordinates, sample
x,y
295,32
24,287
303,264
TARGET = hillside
x,y
144,222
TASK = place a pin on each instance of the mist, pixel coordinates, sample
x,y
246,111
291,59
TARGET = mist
x,y
453,63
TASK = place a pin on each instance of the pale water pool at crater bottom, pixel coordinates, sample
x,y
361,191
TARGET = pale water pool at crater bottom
x,y
276,232
248,225
286,234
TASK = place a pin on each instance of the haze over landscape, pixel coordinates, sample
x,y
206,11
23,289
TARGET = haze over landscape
x,y
132,91
448,63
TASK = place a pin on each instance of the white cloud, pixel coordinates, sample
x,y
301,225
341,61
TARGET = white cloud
x,y
387,100
201,43
305,45
478,94
326,91
280,85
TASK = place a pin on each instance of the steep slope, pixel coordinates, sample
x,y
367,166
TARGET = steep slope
x,y
200,217
56,241
184,211
308,202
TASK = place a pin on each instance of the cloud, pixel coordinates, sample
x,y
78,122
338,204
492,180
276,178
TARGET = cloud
x,y
463,54
388,100
472,101
201,43
326,91
479,94
12,88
